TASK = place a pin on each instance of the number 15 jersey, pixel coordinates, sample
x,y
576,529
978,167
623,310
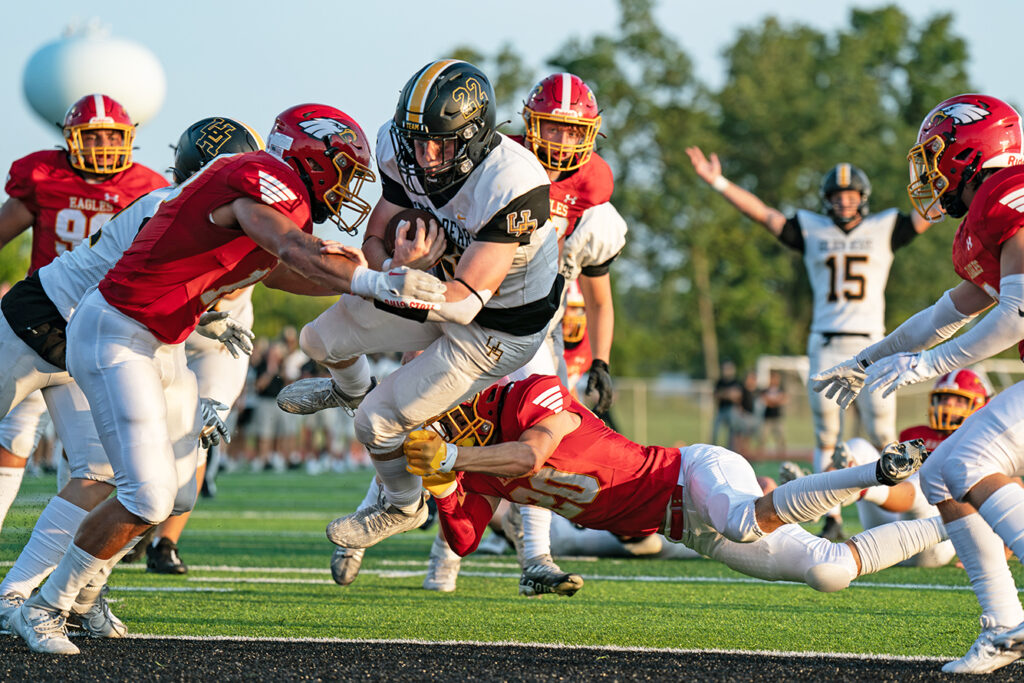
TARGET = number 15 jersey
x,y
848,270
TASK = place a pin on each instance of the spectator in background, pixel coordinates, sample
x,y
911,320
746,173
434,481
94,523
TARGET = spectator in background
x,y
728,392
271,423
773,397
746,415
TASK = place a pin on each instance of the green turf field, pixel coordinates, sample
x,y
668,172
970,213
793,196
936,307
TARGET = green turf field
x,y
259,568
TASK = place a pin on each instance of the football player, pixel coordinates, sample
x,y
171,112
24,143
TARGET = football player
x,y
243,218
440,153
39,307
967,164
65,195
847,253
531,442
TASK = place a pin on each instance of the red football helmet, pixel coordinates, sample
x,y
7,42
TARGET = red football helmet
x,y
98,112
945,415
471,423
574,320
562,99
958,138
329,151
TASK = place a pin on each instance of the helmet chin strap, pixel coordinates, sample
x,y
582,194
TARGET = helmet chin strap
x,y
955,205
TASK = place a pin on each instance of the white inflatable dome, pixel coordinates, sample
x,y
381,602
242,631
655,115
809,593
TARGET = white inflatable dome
x,y
88,60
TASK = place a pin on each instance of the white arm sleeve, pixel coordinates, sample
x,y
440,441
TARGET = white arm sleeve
x,y
1001,328
928,327
460,312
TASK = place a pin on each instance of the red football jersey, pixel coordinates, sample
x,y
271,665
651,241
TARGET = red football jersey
x,y
182,263
589,185
66,208
932,438
995,215
596,477
577,361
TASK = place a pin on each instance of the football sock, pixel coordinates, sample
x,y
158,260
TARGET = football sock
x,y
10,483
1004,512
372,494
981,552
807,498
355,379
73,573
536,531
401,488
88,595
53,533
889,544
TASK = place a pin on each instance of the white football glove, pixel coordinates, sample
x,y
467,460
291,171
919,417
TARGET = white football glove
x,y
842,382
900,369
400,287
213,427
228,331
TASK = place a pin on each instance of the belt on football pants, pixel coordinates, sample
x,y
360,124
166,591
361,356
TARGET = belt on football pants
x,y
829,336
676,523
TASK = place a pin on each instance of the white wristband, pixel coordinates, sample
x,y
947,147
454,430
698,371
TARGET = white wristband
x,y
450,456
720,183
386,265
363,281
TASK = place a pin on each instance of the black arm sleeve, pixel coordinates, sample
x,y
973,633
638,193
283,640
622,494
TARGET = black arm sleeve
x,y
791,235
517,220
904,233
393,191
598,269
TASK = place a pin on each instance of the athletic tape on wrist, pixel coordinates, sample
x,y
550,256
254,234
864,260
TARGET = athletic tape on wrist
x,y
720,183
450,455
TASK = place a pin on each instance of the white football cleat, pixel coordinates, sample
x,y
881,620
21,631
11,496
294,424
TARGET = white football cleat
x,y
42,627
9,604
311,395
985,655
899,461
96,620
345,564
370,525
442,573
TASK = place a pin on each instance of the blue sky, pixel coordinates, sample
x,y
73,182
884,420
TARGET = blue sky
x,y
249,60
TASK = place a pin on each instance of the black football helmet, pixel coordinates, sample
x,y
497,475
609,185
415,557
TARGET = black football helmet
x,y
449,103
208,138
844,176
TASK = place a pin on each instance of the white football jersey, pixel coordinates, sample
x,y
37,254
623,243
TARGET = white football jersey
x,y
508,172
70,275
848,271
599,236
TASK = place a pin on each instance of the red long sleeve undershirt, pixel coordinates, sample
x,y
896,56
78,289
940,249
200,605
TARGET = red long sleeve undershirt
x,y
463,517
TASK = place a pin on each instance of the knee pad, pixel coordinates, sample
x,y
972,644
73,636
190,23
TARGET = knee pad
x,y
186,498
151,502
370,436
734,517
827,578
932,485
312,344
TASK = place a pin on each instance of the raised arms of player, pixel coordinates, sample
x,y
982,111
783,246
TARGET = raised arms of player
x,y
15,218
710,171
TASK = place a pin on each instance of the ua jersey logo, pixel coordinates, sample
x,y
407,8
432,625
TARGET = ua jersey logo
x,y
323,127
571,199
970,244
552,399
1014,200
273,190
111,197
521,223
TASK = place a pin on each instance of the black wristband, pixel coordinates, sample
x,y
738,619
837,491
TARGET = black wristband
x,y
600,364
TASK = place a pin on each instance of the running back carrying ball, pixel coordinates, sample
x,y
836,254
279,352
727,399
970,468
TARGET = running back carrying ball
x,y
403,216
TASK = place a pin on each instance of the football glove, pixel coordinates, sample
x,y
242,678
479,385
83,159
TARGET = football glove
x,y
427,453
842,382
399,287
229,332
600,380
441,485
213,427
900,369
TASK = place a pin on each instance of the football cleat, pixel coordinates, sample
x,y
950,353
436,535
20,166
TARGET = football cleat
x,y
345,564
311,395
96,620
842,457
541,575
789,470
987,654
442,573
9,604
42,627
833,530
163,558
899,461
370,525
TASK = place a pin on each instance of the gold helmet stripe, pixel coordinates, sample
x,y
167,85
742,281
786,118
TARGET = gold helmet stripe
x,y
843,175
255,136
416,103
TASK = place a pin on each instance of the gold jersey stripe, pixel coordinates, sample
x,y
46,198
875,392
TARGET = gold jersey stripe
x,y
417,98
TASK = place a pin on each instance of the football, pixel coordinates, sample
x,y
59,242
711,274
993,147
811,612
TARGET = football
x,y
402,216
